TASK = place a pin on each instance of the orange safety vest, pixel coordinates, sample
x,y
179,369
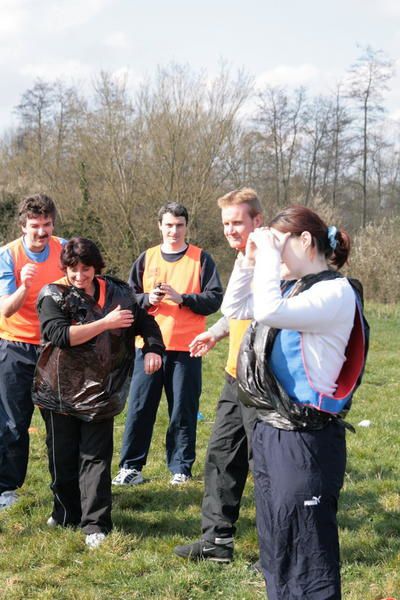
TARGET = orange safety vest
x,y
179,325
23,325
237,329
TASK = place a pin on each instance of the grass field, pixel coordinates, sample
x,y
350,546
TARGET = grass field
x,y
137,560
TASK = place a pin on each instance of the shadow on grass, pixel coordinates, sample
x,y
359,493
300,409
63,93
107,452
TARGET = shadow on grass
x,y
374,531
157,512
149,498
165,512
171,525
162,526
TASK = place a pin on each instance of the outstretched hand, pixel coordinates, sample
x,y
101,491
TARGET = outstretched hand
x,y
202,344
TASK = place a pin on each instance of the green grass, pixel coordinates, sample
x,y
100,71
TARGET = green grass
x,y
137,560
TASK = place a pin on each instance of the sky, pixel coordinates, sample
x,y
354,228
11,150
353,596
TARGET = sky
x,y
285,42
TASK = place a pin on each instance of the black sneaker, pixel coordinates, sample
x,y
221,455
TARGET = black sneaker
x,y
204,550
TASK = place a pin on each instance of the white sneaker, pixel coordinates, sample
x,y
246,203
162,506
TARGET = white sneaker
x,y
128,477
52,523
8,499
94,540
180,478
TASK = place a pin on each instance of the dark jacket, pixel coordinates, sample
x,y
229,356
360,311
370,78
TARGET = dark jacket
x,y
86,381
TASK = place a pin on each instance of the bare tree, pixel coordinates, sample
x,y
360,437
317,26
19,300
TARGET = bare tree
x,y
110,160
34,111
108,143
340,142
368,80
316,125
280,120
190,125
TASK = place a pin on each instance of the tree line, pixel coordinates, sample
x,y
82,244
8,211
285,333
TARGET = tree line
x,y
111,158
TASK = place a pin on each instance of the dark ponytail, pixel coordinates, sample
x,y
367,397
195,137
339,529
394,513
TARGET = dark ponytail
x,y
338,256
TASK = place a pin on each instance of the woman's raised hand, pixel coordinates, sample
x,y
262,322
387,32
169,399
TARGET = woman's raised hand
x,y
267,238
118,318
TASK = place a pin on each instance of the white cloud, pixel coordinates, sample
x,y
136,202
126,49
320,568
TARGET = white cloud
x,y
13,18
118,40
391,8
384,8
69,69
122,74
288,75
65,14
395,115
17,17
128,78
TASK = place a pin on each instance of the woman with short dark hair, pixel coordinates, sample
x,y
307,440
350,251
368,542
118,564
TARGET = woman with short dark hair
x,y
88,325
300,362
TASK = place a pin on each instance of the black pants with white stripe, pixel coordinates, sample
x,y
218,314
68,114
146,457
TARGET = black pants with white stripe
x,y
80,454
227,464
298,476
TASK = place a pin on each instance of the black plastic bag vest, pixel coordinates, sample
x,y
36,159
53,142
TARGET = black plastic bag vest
x,y
86,381
257,384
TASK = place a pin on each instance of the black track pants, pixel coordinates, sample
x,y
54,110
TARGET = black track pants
x,y
227,464
298,477
80,456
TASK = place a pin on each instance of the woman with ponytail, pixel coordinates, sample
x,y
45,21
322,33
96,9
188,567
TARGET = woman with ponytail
x,y
300,363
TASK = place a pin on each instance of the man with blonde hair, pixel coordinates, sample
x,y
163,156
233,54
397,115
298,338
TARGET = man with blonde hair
x,y
229,452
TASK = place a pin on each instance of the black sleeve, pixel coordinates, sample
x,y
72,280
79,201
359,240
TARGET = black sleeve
x,y
54,325
135,281
147,327
210,298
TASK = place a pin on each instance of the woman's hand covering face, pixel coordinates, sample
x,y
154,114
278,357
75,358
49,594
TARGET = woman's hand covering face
x,y
266,238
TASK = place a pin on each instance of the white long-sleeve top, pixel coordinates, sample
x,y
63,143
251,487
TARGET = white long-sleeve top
x,y
324,314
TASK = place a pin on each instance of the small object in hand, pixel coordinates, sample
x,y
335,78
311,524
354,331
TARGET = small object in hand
x,y
159,293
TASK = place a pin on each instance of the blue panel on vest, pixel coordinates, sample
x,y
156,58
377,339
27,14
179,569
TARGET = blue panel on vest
x,y
287,365
286,362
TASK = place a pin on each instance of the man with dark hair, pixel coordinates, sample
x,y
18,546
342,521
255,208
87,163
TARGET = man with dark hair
x,y
229,450
178,284
35,206
175,209
26,265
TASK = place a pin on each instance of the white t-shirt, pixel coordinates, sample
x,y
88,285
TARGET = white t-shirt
x,y
324,314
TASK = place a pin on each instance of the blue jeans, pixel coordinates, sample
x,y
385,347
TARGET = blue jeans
x,y
17,367
180,376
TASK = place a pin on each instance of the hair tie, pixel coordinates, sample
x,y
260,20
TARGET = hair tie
x,y
332,231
